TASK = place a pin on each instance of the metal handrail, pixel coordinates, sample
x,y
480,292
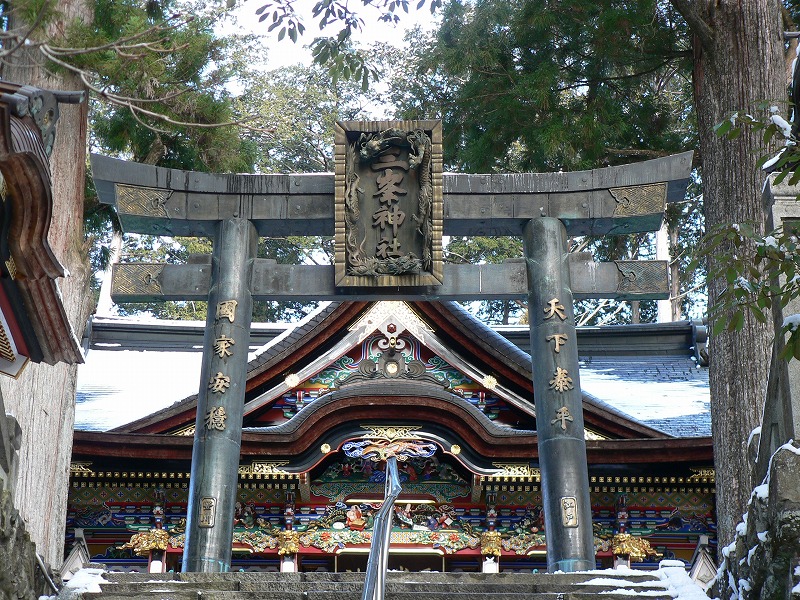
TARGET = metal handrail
x,y
375,582
45,574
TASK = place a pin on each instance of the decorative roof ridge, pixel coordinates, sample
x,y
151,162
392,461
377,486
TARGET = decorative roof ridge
x,y
409,388
272,349
308,322
488,340
28,117
488,337
494,343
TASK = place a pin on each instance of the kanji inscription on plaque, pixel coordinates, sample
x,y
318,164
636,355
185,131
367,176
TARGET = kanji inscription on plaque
x,y
388,203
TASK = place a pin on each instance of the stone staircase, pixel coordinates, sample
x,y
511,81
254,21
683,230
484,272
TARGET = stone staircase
x,y
399,586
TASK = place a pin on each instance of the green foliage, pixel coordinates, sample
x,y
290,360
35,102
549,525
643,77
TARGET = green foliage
x,y
159,76
301,106
336,53
478,250
759,271
175,78
531,85
772,128
526,85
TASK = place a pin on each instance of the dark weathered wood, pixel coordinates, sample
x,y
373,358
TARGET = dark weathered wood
x,y
170,202
621,280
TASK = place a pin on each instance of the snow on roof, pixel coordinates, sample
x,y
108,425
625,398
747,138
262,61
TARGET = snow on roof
x,y
116,387
668,393
119,386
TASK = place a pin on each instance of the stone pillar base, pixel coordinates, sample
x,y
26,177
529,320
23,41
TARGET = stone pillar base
x,y
490,564
288,565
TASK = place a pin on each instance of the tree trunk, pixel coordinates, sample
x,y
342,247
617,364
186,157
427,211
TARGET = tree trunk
x,y
676,305
43,399
636,312
738,63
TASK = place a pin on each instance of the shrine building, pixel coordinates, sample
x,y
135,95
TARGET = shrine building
x,y
371,374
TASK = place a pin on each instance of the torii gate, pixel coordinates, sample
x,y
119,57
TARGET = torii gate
x,y
388,205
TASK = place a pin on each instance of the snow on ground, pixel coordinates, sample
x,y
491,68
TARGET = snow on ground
x,y
672,574
85,580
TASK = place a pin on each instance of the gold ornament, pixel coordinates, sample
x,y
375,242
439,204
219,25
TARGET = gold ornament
x,y
215,418
222,346
635,548
562,415
559,338
143,543
490,543
219,383
561,381
227,310
554,308
288,542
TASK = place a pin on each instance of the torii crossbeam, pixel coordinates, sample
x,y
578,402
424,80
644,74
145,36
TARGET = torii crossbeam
x,y
379,166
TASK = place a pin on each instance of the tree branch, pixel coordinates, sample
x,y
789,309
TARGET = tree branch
x,y
691,14
637,152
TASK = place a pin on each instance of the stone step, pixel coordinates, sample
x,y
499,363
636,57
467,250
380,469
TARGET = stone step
x,y
399,586
390,590
453,587
390,595
170,585
415,577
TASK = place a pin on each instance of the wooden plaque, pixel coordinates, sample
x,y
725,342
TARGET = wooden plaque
x,y
388,197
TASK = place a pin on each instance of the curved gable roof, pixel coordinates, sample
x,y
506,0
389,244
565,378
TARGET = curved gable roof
x,y
323,336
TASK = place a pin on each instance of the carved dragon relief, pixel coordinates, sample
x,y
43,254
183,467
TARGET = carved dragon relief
x,y
375,150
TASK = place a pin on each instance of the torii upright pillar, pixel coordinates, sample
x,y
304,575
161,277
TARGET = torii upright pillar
x,y
557,395
220,401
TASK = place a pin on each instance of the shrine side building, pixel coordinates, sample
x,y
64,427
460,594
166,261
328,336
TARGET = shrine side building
x,y
410,372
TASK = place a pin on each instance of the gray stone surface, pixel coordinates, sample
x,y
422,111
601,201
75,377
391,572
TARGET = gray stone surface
x,y
302,204
20,579
781,421
503,281
400,586
762,561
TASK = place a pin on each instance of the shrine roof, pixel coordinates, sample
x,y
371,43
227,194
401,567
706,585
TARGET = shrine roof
x,y
663,386
668,393
293,335
640,374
